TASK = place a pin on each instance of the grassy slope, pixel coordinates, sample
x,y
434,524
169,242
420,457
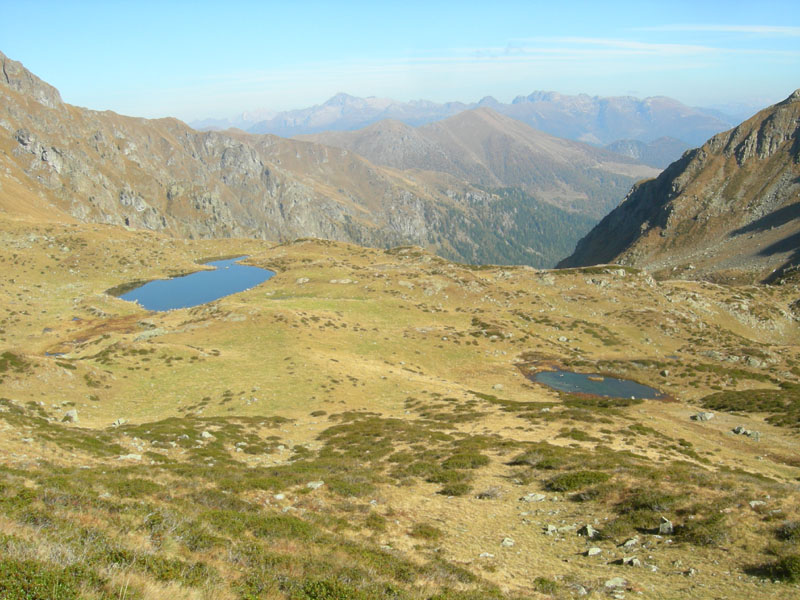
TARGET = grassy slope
x,y
392,377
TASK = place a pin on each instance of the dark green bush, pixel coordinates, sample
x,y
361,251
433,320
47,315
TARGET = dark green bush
x,y
575,480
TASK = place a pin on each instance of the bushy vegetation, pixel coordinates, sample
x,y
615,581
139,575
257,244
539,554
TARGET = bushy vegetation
x,y
783,403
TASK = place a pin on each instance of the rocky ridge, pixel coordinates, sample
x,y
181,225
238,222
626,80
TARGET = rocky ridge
x,y
164,176
592,119
727,210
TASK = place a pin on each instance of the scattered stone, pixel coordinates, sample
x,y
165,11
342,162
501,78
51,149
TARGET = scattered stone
x,y
580,590
702,416
313,485
119,422
279,496
739,430
628,544
507,542
616,582
563,339
665,372
593,551
206,435
301,280
486,555
498,387
533,497
129,457
550,530
490,493
756,503
631,561
588,531
26,440
71,416
567,528
665,527
691,572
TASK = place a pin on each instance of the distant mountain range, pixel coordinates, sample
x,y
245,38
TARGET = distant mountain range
x,y
486,148
591,119
59,161
729,210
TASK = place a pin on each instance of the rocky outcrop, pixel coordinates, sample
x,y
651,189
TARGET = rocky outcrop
x,y
19,79
163,175
727,210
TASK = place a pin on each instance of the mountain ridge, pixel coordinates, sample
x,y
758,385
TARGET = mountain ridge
x,y
162,175
487,148
727,209
593,119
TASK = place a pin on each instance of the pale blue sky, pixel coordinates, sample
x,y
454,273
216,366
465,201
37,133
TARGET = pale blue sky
x,y
214,59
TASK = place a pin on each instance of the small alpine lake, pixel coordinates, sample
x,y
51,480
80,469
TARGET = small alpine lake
x,y
201,287
594,384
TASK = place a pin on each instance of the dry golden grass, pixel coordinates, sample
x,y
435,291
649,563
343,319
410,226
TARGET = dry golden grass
x,y
382,352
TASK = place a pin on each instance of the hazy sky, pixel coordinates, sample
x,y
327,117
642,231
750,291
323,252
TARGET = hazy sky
x,y
215,59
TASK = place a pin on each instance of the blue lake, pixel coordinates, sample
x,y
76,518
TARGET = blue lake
x,y
583,383
201,287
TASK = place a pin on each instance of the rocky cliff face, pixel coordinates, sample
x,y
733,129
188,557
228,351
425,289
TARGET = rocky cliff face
x,y
729,209
162,175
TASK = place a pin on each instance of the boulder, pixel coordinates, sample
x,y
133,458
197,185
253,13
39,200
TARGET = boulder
x,y
702,416
71,416
533,497
665,527
588,531
507,542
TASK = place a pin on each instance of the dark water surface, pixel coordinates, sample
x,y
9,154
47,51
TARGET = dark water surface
x,y
609,387
198,288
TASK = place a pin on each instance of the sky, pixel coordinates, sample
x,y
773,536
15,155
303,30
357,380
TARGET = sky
x,y
194,60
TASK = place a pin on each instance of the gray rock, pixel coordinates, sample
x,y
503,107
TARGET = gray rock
x,y
631,561
206,435
507,542
71,416
616,582
756,503
563,338
665,527
486,555
129,457
588,531
301,280
593,551
665,373
313,485
702,416
119,422
550,530
533,497
631,542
